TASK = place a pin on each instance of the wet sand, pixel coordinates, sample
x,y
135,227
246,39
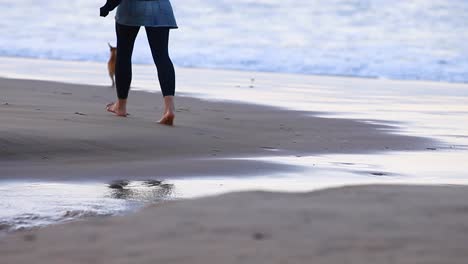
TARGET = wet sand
x,y
366,224
60,131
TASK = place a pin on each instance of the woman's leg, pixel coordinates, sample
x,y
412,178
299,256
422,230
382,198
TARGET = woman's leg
x,y
126,36
158,39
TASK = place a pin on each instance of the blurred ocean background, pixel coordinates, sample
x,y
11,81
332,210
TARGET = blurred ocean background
x,y
395,39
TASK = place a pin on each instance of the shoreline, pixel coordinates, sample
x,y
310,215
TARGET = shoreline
x,y
6,73
299,74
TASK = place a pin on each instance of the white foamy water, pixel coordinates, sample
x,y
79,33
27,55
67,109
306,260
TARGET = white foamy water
x,y
418,39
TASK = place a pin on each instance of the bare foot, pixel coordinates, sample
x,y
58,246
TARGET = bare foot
x,y
167,119
114,108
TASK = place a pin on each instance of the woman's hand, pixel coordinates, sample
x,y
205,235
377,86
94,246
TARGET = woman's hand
x,y
103,11
109,6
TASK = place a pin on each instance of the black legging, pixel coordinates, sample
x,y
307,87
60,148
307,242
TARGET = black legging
x,y
158,38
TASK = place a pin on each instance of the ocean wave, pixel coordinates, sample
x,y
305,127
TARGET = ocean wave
x,y
416,40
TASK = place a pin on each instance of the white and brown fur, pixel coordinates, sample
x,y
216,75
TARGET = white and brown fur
x,y
111,63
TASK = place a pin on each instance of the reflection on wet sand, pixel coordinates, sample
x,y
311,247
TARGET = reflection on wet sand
x,y
26,205
144,191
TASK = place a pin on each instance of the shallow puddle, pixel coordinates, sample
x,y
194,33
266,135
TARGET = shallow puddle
x,y
328,171
28,204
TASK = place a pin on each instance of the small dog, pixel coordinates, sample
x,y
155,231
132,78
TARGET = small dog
x,y
111,63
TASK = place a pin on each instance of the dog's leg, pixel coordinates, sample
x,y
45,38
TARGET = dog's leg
x,y
113,80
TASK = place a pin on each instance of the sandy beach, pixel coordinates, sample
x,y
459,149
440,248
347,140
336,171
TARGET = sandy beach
x,y
57,131
61,131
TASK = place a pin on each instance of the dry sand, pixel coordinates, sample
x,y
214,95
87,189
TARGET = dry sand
x,y
368,224
61,131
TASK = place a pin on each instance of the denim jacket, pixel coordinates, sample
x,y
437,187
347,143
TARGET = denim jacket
x,y
151,13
